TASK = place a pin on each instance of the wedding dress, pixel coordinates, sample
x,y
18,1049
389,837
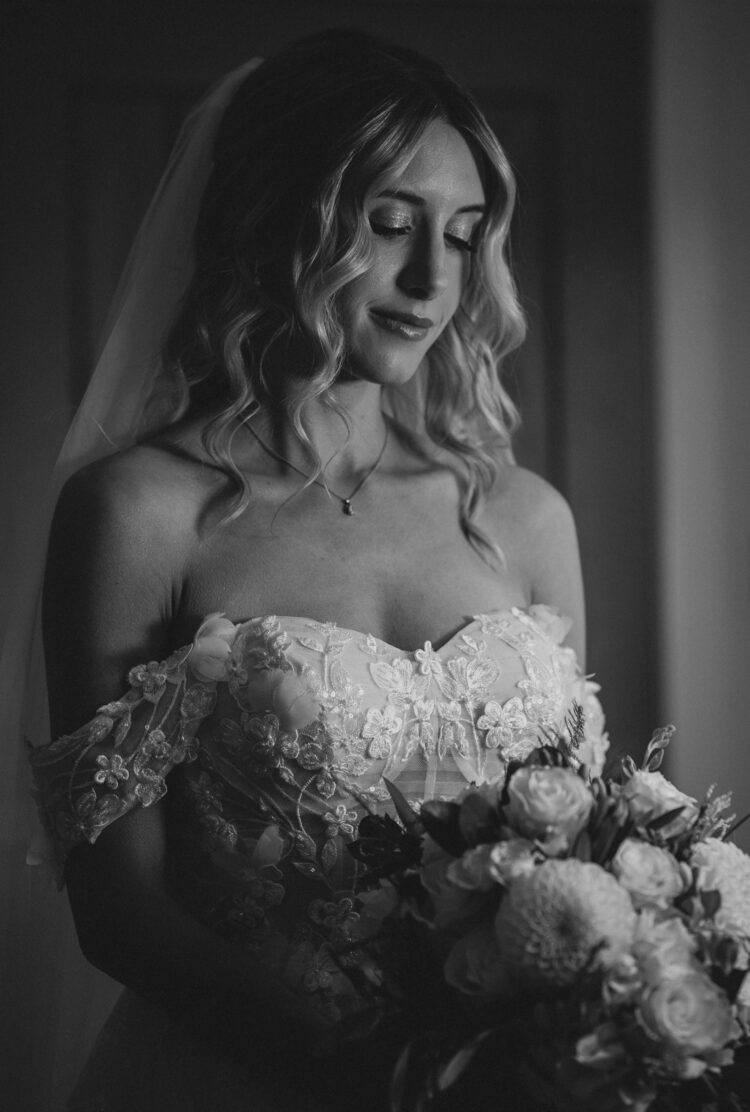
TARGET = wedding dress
x,y
272,763
272,737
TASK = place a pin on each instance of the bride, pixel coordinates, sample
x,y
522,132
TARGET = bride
x,y
316,565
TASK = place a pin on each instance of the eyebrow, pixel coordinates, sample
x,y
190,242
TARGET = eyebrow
x,y
415,199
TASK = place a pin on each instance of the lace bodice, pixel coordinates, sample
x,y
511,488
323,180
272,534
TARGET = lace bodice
x,y
270,739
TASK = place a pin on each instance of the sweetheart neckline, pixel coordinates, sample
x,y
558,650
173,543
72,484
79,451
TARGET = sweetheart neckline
x,y
499,612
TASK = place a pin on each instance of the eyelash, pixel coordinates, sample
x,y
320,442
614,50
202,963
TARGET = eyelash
x,y
389,232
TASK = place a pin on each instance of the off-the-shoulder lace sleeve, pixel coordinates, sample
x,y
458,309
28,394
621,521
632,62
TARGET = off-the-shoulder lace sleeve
x,y
119,760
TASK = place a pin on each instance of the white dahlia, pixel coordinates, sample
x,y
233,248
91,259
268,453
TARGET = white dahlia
x,y
723,867
555,920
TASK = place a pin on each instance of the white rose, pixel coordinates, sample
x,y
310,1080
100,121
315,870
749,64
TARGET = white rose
x,y
724,868
663,947
482,867
650,795
548,804
689,1012
212,646
651,875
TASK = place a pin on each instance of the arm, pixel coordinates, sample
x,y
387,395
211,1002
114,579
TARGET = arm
x,y
556,568
537,533
115,563
544,548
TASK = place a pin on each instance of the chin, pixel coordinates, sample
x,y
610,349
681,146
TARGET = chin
x,y
386,373
386,364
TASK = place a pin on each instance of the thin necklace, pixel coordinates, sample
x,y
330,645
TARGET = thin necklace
x,y
346,503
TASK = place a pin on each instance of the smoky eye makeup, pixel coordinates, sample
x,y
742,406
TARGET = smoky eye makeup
x,y
461,231
385,222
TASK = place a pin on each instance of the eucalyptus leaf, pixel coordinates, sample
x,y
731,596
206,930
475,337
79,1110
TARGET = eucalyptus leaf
x,y
449,1074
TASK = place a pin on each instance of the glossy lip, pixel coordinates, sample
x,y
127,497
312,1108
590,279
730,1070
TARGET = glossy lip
x,y
407,325
404,318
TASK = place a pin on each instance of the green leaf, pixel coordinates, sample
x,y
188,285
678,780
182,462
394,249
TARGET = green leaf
x,y
582,846
403,810
449,1074
441,821
711,901
478,820
398,1080
665,819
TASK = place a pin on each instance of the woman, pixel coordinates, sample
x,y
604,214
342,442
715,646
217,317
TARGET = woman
x,y
329,441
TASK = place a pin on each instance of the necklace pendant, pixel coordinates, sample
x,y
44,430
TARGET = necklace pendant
x,y
346,507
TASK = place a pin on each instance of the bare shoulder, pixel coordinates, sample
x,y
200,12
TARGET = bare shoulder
x,y
147,500
524,505
535,528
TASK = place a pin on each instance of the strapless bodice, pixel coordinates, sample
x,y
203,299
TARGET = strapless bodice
x,y
271,738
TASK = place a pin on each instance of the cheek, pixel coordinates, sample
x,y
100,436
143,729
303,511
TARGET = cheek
x,y
459,274
361,291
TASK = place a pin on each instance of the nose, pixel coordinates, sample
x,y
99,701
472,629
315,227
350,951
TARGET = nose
x,y
423,276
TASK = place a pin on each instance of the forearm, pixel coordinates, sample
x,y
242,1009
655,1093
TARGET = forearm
x,y
141,937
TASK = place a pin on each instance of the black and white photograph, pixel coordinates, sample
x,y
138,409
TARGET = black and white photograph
x,y
375,586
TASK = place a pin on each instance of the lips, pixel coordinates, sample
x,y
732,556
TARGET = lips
x,y
408,325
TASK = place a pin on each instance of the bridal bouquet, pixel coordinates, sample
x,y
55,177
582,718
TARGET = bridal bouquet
x,y
603,925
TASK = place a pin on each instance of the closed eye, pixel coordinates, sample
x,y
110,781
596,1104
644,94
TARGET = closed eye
x,y
461,244
390,230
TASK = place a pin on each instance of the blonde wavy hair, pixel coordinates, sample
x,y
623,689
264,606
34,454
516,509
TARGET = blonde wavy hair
x,y
311,134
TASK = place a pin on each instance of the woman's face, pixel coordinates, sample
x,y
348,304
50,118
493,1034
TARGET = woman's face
x,y
422,227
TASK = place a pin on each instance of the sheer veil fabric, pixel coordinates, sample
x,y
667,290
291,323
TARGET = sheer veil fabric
x,y
53,1001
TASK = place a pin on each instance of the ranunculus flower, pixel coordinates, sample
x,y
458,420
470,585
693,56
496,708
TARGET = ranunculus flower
x,y
651,874
561,917
212,646
662,946
723,867
650,795
548,804
476,965
689,1012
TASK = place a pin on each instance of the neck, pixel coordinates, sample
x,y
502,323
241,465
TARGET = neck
x,y
345,453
